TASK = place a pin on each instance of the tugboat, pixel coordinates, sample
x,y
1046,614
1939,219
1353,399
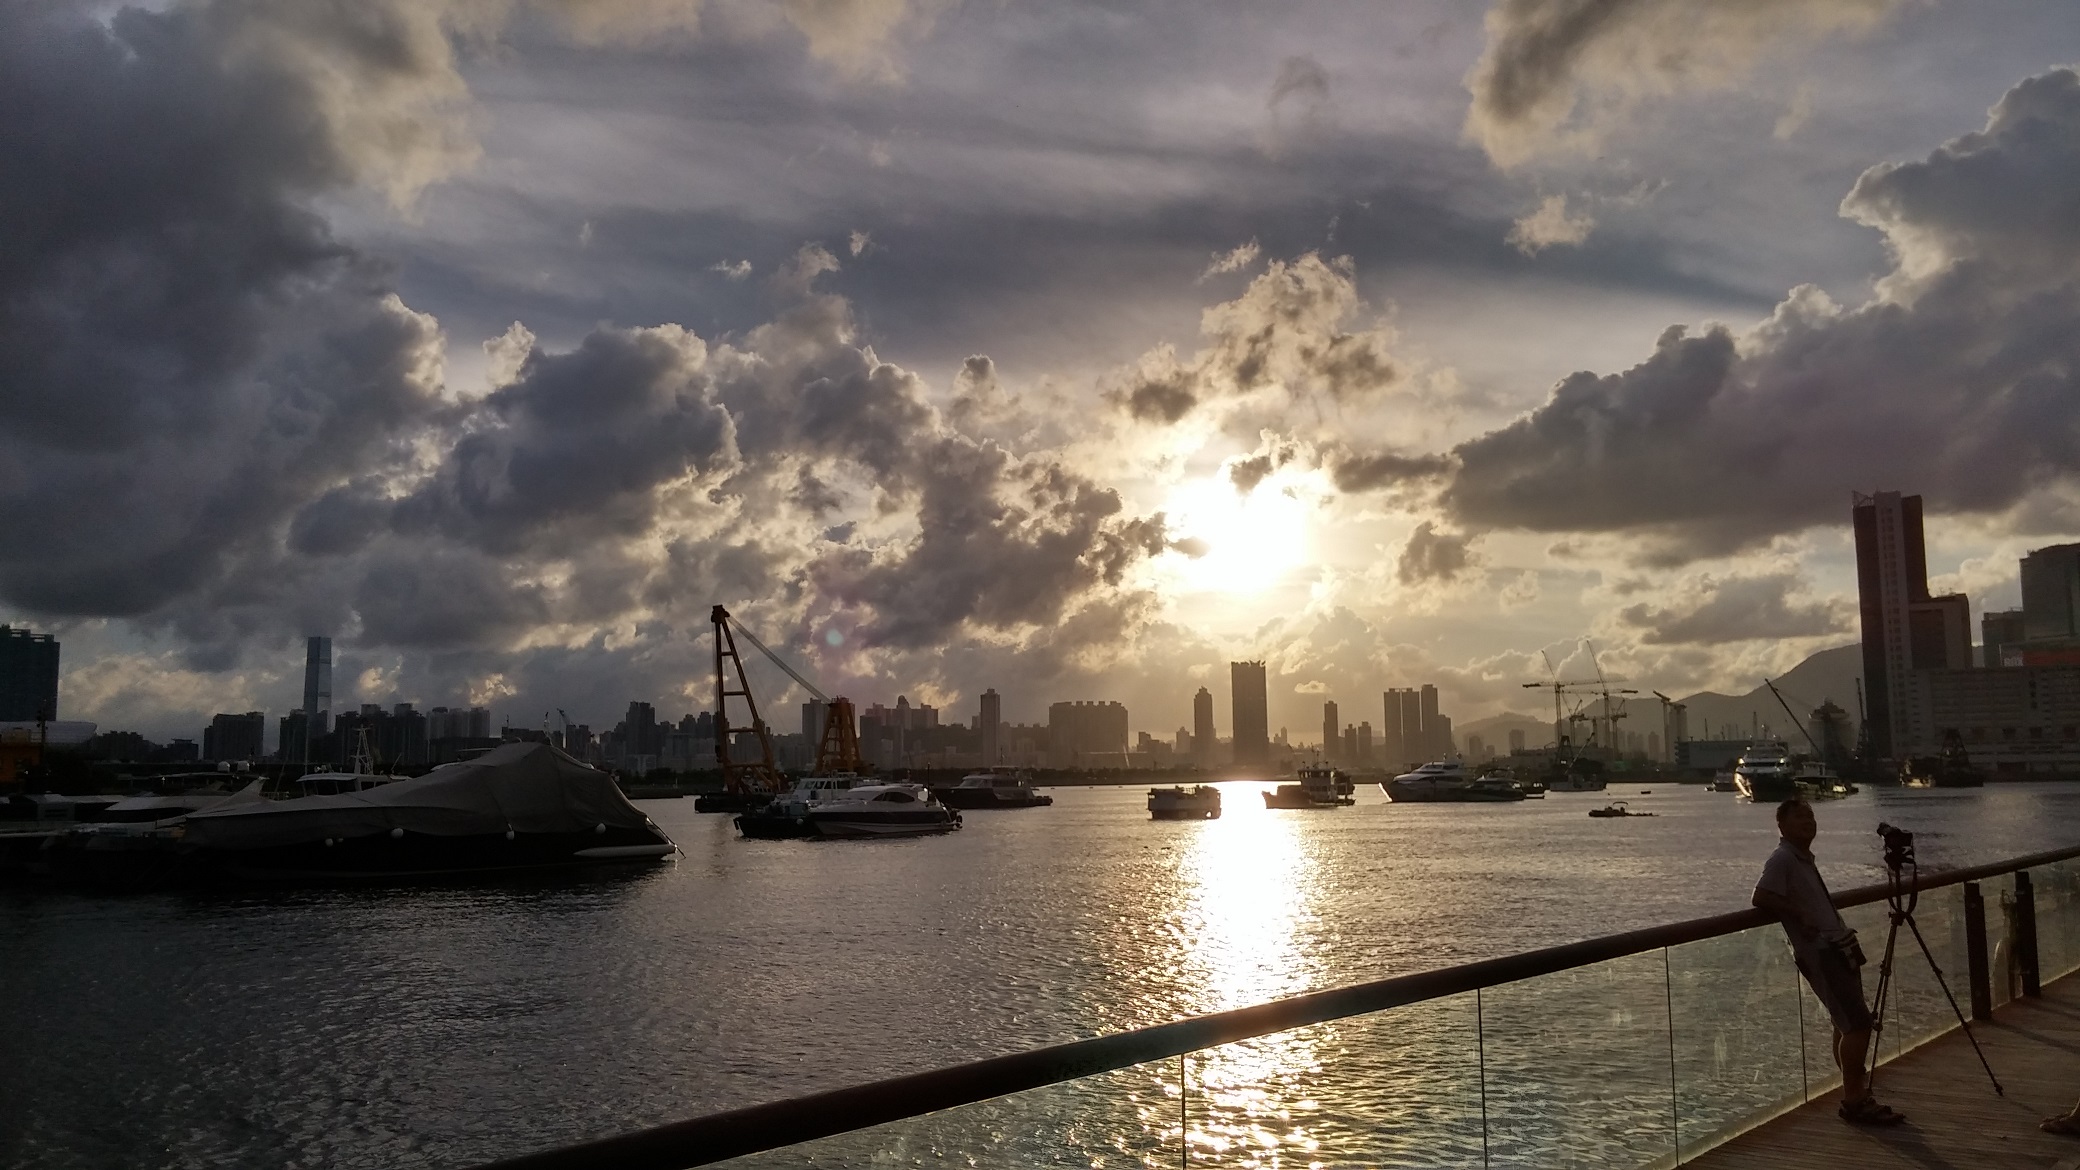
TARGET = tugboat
x,y
1616,808
993,788
1320,786
1199,803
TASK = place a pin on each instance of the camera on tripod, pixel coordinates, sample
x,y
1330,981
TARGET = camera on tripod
x,y
1899,846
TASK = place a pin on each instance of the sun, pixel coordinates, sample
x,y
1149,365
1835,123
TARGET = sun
x,y
1247,542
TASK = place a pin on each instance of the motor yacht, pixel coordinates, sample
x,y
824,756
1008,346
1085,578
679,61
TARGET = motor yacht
x,y
1764,772
1448,780
1199,803
1321,786
993,788
846,805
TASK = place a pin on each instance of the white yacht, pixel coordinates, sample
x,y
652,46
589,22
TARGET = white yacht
x,y
847,805
1448,780
1764,772
993,788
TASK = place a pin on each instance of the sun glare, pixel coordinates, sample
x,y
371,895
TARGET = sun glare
x,y
1248,543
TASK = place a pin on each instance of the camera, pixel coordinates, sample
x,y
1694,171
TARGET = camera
x,y
1899,846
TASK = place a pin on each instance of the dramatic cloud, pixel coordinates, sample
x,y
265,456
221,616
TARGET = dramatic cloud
x,y
1295,336
1966,362
1431,555
1551,225
1734,609
1556,71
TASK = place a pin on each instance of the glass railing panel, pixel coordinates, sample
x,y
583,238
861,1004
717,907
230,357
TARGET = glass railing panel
x,y
1126,1118
1998,896
1578,1067
1737,1034
2056,888
1916,1008
1399,1088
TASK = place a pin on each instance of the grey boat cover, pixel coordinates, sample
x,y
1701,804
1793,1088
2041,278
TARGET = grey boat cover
x,y
516,787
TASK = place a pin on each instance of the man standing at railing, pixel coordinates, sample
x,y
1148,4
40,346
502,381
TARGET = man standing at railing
x,y
1827,955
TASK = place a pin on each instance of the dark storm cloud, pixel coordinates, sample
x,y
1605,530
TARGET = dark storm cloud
x,y
1737,609
583,438
1957,381
185,352
1431,555
1546,59
1354,472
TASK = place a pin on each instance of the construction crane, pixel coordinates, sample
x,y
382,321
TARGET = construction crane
x,y
1603,687
837,750
1560,687
1671,723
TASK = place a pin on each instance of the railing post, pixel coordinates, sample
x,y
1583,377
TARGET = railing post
x,y
2026,934
1975,951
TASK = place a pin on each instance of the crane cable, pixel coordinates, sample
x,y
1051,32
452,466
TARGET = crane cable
x,y
778,661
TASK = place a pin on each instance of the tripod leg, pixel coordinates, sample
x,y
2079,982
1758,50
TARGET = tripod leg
x,y
1955,1010
1884,991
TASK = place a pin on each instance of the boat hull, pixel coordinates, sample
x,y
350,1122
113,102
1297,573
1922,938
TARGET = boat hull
x,y
417,855
1417,793
1184,814
972,798
1767,789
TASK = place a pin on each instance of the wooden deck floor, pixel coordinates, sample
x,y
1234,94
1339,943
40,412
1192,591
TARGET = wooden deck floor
x,y
1954,1120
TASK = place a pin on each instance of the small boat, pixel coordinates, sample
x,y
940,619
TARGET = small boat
x,y
1449,781
1320,787
1199,803
993,788
1616,808
847,805
1764,773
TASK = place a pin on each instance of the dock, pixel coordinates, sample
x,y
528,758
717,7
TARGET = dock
x,y
1954,1120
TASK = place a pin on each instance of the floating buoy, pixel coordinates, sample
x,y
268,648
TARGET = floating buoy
x,y
328,842
509,834
600,828
397,834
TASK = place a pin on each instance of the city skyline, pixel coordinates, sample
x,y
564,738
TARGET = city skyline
x,y
1372,344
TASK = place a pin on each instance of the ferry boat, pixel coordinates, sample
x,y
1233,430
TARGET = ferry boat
x,y
993,788
1764,773
1199,803
1448,780
1320,786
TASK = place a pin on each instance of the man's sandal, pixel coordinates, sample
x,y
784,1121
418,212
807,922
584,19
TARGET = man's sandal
x,y
2064,1123
1869,1112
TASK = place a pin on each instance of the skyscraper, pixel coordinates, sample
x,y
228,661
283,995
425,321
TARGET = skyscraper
x,y
1393,744
1415,749
992,726
1436,744
1332,746
2051,594
1904,629
317,687
1087,734
1251,713
28,675
1202,728
1998,630
1364,755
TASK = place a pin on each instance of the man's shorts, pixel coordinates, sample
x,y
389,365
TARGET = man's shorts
x,y
1839,987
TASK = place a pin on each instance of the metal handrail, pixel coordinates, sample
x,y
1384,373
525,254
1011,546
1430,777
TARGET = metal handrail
x,y
716,1137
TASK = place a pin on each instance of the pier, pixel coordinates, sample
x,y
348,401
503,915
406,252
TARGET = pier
x,y
1954,1118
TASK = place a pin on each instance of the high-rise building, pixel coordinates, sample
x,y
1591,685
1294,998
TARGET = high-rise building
x,y
1435,747
1393,744
1999,630
992,727
28,675
1412,741
813,714
235,737
1364,755
2051,594
1516,740
1087,735
317,687
291,745
1251,713
1332,740
1905,630
1203,740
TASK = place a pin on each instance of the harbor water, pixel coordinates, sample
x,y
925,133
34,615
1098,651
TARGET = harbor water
x,y
442,1026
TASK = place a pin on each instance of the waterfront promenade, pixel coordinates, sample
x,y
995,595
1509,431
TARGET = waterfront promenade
x,y
1955,1120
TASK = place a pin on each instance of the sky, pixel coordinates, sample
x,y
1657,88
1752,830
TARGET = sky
x,y
1073,350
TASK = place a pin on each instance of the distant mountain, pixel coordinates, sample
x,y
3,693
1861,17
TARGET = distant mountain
x,y
1830,674
1494,730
